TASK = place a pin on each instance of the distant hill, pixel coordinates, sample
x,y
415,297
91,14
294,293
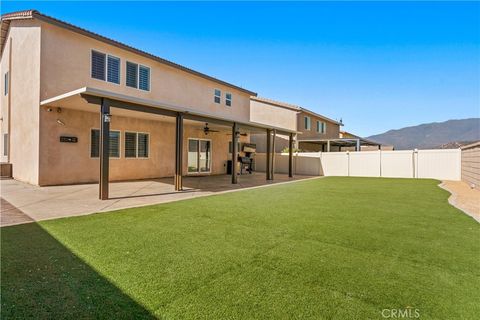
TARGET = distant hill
x,y
432,135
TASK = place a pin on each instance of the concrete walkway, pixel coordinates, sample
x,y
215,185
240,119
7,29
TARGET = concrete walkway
x,y
463,197
43,203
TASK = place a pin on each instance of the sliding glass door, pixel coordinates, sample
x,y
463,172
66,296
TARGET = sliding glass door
x,y
199,156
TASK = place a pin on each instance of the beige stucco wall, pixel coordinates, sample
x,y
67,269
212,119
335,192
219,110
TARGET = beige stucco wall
x,y
24,91
65,163
260,140
4,67
276,116
332,131
66,66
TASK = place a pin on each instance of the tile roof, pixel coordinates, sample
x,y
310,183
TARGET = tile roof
x,y
30,14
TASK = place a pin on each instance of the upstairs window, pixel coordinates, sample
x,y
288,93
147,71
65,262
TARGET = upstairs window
x,y
98,65
307,123
138,76
5,83
132,75
144,78
105,67
95,144
218,96
113,69
228,99
321,127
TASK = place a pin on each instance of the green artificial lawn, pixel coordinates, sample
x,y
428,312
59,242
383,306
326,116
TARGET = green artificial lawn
x,y
331,248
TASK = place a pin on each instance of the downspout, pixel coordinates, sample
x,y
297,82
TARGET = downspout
x,y
9,99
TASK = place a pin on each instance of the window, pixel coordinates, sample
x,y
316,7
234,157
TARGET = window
x,y
98,65
132,74
5,144
218,96
95,144
228,99
199,155
130,144
142,151
113,69
5,83
321,127
138,76
307,123
136,145
105,67
144,78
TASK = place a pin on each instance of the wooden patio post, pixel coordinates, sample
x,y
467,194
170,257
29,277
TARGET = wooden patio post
x,y
234,152
267,169
272,167
104,148
290,155
179,152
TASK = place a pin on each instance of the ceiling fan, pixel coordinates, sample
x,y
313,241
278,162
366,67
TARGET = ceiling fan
x,y
207,130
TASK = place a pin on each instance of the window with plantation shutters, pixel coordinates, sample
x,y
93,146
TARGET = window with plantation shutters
x,y
113,70
95,144
115,144
132,74
144,78
142,145
130,144
98,65
136,145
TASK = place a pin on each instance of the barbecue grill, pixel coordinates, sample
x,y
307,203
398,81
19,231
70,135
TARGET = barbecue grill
x,y
245,163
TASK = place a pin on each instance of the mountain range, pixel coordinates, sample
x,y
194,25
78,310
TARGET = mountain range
x,y
434,135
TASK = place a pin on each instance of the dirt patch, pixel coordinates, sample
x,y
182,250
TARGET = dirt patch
x,y
463,197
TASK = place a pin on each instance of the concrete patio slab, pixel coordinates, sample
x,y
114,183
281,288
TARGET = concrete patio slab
x,y
43,203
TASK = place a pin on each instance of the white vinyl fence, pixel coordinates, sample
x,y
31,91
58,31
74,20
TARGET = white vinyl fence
x,y
436,164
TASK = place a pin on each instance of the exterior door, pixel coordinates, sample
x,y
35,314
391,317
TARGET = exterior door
x,y
199,156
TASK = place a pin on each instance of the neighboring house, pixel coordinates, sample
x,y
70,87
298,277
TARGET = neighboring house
x,y
314,129
351,141
77,107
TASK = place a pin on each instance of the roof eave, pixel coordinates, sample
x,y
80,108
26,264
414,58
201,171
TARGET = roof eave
x,y
29,14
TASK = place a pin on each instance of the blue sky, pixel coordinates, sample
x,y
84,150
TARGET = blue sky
x,y
377,65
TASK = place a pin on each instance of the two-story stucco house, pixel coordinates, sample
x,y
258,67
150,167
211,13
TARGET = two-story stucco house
x,y
312,128
77,107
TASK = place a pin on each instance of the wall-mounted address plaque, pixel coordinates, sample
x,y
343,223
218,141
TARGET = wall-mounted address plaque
x,y
68,139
